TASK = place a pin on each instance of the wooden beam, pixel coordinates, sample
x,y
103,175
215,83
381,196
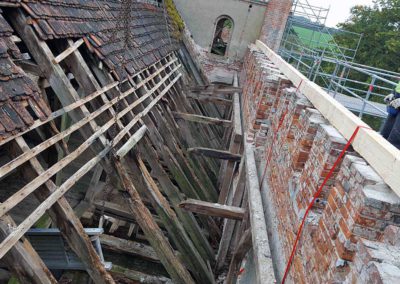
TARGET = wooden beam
x,y
64,218
209,99
153,233
176,232
57,78
202,119
175,196
29,67
229,225
241,250
128,275
213,209
22,260
68,51
30,187
130,144
262,253
213,90
217,154
128,247
228,167
383,157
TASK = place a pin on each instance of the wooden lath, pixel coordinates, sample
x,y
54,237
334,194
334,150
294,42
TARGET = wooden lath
x,y
50,195
34,184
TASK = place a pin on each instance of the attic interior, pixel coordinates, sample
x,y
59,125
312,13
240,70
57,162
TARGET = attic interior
x,y
107,150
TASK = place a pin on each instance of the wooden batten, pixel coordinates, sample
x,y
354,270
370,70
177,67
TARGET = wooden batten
x,y
213,153
213,209
171,262
131,143
202,119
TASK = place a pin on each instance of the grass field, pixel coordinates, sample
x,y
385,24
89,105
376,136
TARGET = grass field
x,y
317,39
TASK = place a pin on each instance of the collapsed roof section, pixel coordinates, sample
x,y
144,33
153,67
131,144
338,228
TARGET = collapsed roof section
x,y
127,36
20,99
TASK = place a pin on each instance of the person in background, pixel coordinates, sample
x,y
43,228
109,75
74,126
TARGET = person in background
x,y
391,128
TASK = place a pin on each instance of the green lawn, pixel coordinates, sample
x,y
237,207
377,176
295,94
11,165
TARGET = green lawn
x,y
318,39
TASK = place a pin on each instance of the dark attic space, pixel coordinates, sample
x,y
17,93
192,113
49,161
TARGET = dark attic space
x,y
181,142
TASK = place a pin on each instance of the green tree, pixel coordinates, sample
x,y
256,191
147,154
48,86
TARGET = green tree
x,y
380,26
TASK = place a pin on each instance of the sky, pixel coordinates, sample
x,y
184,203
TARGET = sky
x,y
340,9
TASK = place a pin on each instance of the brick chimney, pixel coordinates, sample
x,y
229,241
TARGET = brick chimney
x,y
275,22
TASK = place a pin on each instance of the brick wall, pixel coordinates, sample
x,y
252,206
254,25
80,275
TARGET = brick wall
x,y
275,22
355,223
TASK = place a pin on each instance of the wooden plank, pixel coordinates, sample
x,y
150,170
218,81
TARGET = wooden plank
x,y
175,230
175,196
31,219
209,99
25,225
213,209
77,126
262,254
383,157
125,275
153,233
63,216
237,112
212,90
229,225
68,51
62,111
130,144
241,250
30,187
202,119
58,80
213,153
22,260
129,247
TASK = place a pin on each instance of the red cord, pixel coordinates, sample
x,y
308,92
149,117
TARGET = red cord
x,y
317,194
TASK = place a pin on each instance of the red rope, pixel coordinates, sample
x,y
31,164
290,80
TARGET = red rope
x,y
317,194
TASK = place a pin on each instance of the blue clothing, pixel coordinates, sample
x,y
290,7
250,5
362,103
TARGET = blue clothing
x,y
391,110
391,128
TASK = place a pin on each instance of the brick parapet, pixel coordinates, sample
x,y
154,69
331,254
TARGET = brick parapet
x,y
355,205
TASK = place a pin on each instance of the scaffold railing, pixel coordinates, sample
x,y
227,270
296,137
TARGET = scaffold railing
x,y
310,46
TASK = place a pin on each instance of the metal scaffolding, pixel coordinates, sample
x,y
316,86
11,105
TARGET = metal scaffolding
x,y
311,47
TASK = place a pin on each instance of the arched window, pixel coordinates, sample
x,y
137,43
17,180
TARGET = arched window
x,y
222,35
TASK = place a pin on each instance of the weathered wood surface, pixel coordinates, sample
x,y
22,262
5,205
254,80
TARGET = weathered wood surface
x,y
175,196
171,262
63,216
131,143
129,247
209,99
240,252
213,153
128,275
23,261
215,89
202,119
262,253
229,225
176,232
213,209
68,51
